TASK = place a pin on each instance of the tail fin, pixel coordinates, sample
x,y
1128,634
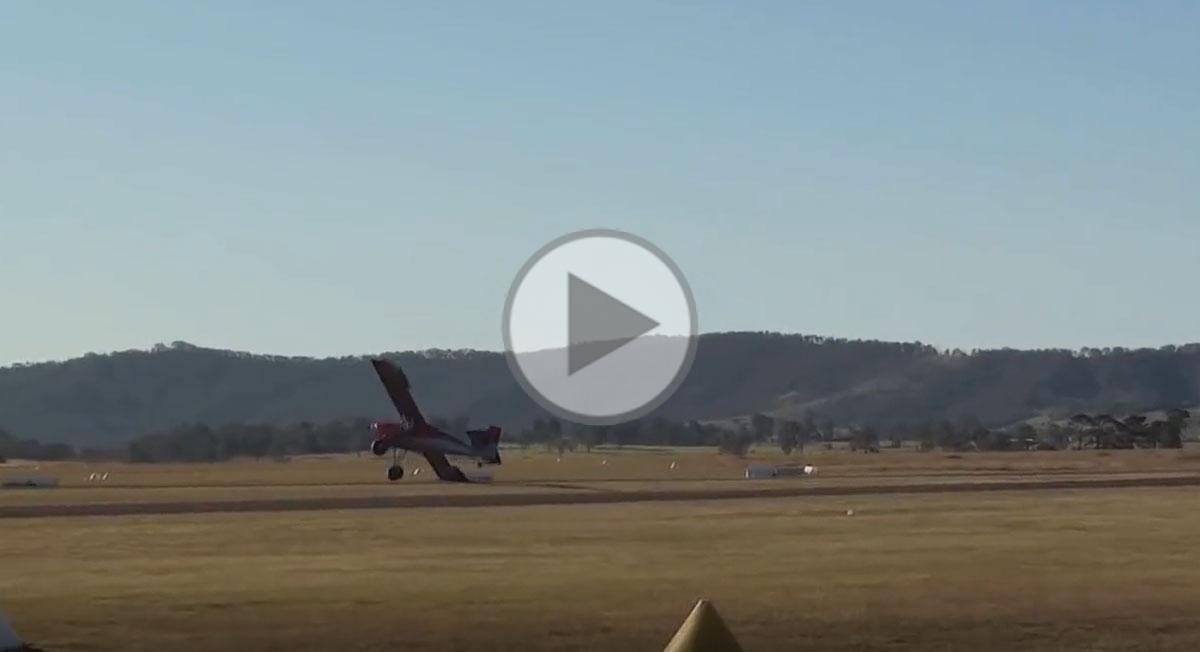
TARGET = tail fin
x,y
487,442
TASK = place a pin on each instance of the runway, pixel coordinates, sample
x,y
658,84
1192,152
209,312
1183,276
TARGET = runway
x,y
569,494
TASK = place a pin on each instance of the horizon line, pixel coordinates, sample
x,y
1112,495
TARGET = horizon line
x,y
181,345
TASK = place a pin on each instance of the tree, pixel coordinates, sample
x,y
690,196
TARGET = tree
x,y
1027,435
735,443
1173,428
925,436
545,430
994,440
787,434
1083,427
555,427
595,436
865,439
810,423
7,444
31,449
973,434
807,431
948,437
1057,437
626,433
828,430
763,425
1103,431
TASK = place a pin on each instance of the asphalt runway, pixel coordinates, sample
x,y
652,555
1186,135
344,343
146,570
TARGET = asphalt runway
x,y
572,495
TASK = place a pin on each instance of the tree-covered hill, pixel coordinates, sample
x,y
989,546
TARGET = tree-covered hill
x,y
102,400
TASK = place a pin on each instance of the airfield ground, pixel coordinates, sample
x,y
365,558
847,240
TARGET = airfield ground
x,y
1078,568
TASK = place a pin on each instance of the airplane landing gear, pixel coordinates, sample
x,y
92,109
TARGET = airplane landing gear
x,y
395,471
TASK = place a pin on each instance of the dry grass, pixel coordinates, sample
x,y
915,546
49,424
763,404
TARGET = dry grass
x,y
1083,570
627,464
529,471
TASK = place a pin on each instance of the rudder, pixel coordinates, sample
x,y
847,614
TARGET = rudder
x,y
487,442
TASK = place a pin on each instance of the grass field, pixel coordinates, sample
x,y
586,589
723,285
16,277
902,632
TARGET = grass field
x,y
1101,569
530,465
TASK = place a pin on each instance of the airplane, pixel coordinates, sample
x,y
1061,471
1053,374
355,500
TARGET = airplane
x,y
414,433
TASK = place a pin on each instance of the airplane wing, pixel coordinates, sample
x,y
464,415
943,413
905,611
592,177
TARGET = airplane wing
x,y
444,469
397,386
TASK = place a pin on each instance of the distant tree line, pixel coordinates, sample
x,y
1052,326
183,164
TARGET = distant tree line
x,y
1079,432
199,442
736,437
12,447
204,443
1134,431
656,431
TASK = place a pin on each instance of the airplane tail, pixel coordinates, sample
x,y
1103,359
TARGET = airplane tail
x,y
487,442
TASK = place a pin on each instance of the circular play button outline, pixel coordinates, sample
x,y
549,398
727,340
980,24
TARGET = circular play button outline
x,y
577,360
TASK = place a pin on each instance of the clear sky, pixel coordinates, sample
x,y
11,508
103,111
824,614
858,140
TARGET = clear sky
x,y
333,178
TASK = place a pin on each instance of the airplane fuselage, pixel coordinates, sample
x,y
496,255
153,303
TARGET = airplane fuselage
x,y
423,439
416,434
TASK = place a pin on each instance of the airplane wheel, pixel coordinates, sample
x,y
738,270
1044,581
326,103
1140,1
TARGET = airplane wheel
x,y
395,472
379,447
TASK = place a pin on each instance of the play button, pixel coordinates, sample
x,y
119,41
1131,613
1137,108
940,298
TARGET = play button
x,y
599,327
598,324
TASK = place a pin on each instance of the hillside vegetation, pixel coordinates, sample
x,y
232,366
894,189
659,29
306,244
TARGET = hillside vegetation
x,y
104,400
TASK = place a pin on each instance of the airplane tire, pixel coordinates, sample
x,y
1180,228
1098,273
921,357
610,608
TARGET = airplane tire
x,y
395,472
379,447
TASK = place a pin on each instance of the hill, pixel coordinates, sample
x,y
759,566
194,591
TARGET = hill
x,y
101,400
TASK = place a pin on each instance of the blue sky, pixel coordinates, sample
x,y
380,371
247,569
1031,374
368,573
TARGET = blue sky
x,y
325,178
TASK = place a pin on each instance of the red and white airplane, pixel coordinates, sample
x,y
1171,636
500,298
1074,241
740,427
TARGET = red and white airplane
x,y
414,433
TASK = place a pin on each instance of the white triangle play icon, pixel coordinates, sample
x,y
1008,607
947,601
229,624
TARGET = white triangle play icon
x,y
598,324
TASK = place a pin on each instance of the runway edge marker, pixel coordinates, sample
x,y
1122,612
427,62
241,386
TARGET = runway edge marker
x,y
703,631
